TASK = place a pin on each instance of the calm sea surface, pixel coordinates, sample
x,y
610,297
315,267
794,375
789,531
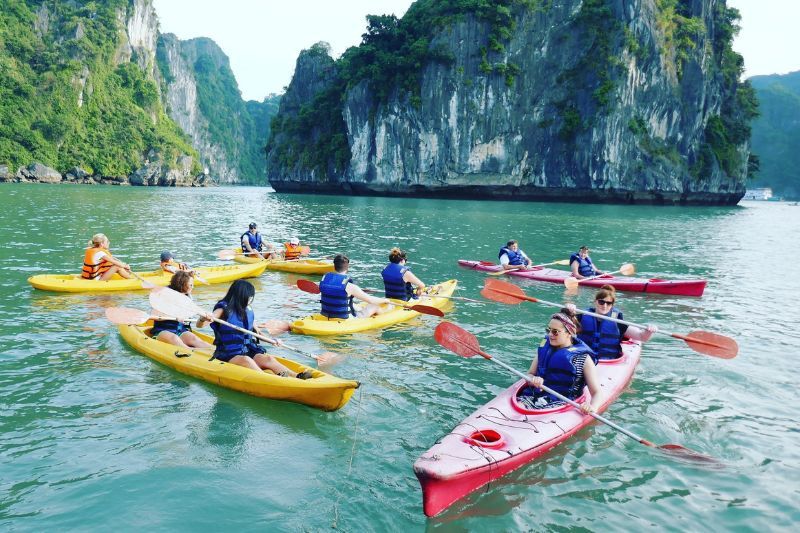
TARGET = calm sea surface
x,y
96,436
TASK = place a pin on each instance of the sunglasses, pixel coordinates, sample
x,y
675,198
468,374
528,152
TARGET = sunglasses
x,y
553,331
604,302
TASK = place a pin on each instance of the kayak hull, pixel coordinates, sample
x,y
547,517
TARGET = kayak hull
x,y
300,266
323,391
682,287
321,325
502,436
75,283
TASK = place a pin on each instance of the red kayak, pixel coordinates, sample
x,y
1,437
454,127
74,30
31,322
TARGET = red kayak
x,y
503,435
681,287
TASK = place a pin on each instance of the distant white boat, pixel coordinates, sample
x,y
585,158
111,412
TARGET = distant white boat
x,y
758,194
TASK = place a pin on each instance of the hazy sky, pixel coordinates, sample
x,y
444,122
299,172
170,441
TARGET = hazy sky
x,y
264,38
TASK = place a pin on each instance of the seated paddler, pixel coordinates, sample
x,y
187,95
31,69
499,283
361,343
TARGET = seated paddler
x,y
398,280
338,291
512,257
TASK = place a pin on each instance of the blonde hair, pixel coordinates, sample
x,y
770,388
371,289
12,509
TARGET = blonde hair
x,y
97,240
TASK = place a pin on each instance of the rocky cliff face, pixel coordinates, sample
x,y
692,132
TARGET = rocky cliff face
x,y
595,100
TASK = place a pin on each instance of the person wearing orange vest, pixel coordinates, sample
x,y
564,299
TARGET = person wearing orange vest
x,y
168,263
98,263
292,249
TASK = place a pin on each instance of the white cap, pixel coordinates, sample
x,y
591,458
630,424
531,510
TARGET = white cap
x,y
294,240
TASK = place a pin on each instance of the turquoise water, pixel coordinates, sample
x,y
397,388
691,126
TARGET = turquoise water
x,y
94,435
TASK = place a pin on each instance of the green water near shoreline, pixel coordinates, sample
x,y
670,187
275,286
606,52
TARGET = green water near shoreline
x,y
94,435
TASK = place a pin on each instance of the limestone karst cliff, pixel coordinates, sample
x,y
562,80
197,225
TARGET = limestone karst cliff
x,y
593,100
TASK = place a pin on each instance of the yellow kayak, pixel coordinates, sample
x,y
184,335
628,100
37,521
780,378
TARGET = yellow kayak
x,y
298,266
75,283
322,391
321,325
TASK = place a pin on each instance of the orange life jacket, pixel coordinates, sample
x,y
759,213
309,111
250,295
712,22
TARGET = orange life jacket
x,y
172,263
93,265
292,251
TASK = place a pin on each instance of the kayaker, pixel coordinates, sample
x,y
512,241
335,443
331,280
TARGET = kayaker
x,y
168,263
235,347
338,290
292,249
512,258
253,245
98,263
398,280
565,364
604,336
581,264
176,332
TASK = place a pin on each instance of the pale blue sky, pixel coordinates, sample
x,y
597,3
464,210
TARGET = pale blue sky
x,y
263,38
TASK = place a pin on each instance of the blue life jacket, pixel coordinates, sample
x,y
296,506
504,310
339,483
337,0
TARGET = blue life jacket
x,y
557,369
173,326
255,240
514,257
603,340
585,266
393,282
336,303
230,342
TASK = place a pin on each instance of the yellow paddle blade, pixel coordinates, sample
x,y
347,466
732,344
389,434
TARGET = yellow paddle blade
x,y
563,262
226,255
627,269
571,283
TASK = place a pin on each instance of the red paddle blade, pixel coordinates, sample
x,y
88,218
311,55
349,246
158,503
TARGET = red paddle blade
x,y
427,310
678,451
126,316
711,344
502,291
457,340
309,286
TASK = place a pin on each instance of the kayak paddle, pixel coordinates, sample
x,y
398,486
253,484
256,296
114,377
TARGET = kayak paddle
x,y
704,342
626,269
310,287
372,291
179,305
562,262
127,316
145,284
463,343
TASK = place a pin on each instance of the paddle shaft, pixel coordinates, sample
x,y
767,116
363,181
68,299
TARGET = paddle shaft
x,y
612,319
434,296
563,398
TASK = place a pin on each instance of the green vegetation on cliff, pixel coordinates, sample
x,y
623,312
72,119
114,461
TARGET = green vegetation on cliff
x,y
776,133
65,101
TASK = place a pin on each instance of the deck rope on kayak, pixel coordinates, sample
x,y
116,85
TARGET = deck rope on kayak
x,y
352,455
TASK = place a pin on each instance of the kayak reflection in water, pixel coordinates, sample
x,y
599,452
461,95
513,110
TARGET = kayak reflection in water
x,y
604,336
398,280
563,363
512,258
235,347
338,291
581,264
174,331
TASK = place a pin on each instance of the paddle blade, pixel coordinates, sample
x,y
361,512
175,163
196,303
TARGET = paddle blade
x,y
571,283
126,316
457,340
563,262
427,310
226,255
498,272
274,326
307,285
305,250
328,358
502,291
627,269
172,303
680,452
712,344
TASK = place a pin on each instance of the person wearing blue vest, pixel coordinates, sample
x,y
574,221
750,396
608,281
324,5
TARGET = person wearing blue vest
x,y
565,364
235,347
338,290
512,258
253,245
604,336
174,331
581,264
398,280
